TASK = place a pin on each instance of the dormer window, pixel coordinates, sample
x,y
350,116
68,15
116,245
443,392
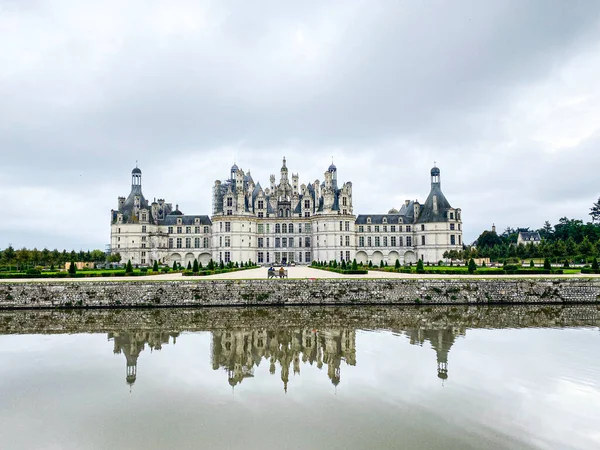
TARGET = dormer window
x,y
196,220
399,219
385,220
451,215
368,220
179,221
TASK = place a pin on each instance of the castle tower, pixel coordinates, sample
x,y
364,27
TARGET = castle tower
x,y
333,171
435,177
284,173
136,179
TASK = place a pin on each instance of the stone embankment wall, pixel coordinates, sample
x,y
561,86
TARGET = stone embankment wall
x,y
103,294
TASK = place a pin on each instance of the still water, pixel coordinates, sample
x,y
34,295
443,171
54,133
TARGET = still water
x,y
315,378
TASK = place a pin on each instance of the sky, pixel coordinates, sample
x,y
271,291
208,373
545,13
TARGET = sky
x,y
502,95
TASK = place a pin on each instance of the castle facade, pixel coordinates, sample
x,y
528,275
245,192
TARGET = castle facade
x,y
283,223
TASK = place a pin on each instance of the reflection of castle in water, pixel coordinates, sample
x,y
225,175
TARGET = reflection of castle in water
x,y
238,352
441,340
132,344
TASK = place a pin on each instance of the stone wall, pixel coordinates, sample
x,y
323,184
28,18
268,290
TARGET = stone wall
x,y
102,294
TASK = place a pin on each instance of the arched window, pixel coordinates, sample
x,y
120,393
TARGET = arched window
x,y
385,220
368,220
284,228
291,228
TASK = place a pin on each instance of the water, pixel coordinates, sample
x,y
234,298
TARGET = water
x,y
331,378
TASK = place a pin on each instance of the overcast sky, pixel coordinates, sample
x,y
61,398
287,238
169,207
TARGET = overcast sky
x,y
504,95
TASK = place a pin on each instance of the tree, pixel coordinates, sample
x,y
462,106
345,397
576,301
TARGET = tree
x,y
586,248
472,266
397,265
114,258
370,264
531,263
488,239
547,265
343,265
9,255
420,268
595,264
354,264
211,265
221,265
189,265
195,267
174,265
155,266
128,267
595,212
72,267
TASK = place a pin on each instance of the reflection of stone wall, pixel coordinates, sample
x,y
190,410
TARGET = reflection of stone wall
x,y
290,318
238,352
297,292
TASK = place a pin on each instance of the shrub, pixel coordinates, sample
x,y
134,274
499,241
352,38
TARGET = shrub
x,y
354,265
566,264
595,264
221,265
144,269
531,263
211,265
397,264
72,268
420,268
370,264
472,266
129,267
195,266
155,267
174,265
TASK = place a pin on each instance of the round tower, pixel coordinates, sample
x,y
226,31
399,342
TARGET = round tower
x,y
136,177
435,176
333,170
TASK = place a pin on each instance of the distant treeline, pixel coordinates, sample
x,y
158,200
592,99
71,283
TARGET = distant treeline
x,y
25,258
568,239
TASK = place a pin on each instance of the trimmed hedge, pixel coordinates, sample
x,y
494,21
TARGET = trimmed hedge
x,y
342,271
589,271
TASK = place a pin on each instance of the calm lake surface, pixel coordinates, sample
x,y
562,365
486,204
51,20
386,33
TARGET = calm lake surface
x,y
316,378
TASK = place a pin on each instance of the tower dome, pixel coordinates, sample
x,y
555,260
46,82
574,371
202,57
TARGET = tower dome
x,y
136,170
234,168
332,168
435,171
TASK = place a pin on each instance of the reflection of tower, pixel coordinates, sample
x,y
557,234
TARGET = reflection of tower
x,y
441,341
132,343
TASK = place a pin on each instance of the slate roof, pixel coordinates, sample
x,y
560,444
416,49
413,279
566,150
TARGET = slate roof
x,y
185,220
377,219
427,214
530,236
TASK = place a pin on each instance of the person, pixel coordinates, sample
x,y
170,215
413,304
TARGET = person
x,y
281,272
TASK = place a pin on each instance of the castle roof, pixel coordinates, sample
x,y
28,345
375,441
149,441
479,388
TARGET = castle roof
x,y
171,219
428,214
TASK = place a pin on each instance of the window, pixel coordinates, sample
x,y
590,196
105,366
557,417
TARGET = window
x,y
361,241
261,242
179,229
451,215
205,242
143,228
344,201
422,240
261,204
299,256
408,228
277,228
291,242
400,241
229,201
306,214
260,228
393,228
376,228
227,257
347,256
143,238
307,204
393,241
369,241
260,215
347,226
408,241
188,230
459,227
277,242
284,242
268,243
377,241
229,212
143,245
179,243
188,242
341,240
261,257
399,228
220,241
307,256
344,211
307,242
206,229
170,230
385,240
291,228
299,228
268,257
227,241
368,220
341,256
347,241
459,243
307,227
385,220
196,242
452,227
422,227
170,242
196,230
227,227
452,240
361,229
340,225
119,230
284,228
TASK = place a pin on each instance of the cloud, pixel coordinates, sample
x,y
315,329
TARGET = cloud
x,y
498,93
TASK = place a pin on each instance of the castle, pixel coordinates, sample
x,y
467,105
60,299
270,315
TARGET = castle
x,y
283,223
